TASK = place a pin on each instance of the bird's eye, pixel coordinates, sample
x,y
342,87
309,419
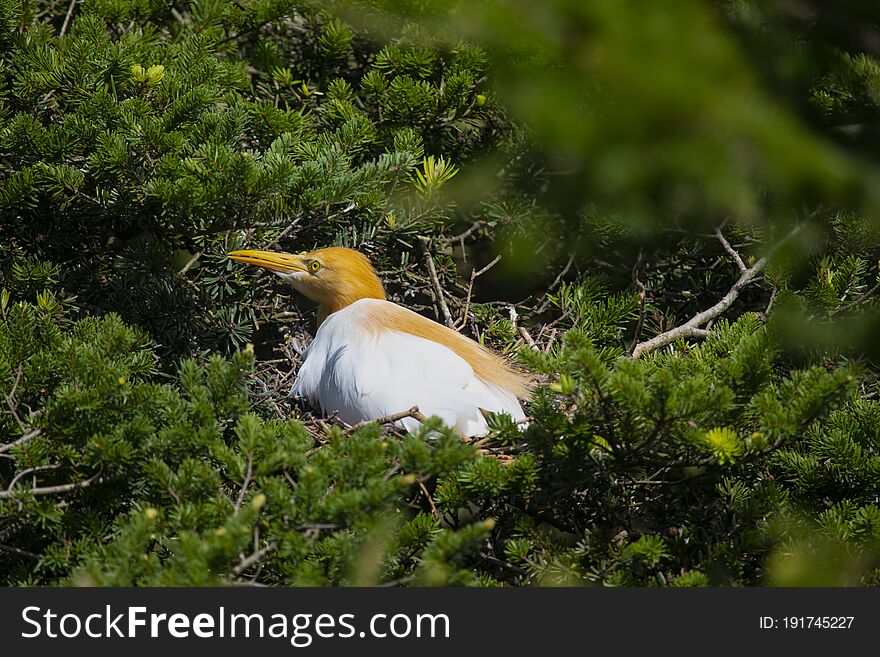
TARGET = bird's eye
x,y
314,266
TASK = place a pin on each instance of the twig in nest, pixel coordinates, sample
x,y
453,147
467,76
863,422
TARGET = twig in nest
x,y
435,282
528,338
388,419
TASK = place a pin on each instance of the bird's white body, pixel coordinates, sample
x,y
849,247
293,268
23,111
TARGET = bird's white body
x,y
364,372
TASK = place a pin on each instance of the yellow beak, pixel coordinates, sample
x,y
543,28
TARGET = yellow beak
x,y
284,263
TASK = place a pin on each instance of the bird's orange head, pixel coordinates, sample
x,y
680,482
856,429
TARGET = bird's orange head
x,y
334,277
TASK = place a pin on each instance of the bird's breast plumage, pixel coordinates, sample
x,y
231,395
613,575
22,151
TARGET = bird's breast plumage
x,y
367,362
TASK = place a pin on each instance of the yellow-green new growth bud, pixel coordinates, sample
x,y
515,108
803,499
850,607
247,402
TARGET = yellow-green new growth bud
x,y
151,76
155,73
566,385
258,502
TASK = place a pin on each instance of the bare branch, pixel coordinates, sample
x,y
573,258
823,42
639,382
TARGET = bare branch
x,y
28,436
435,282
51,490
770,302
692,328
249,561
858,301
463,236
190,263
460,324
34,470
643,294
528,338
246,482
554,285
388,419
733,254
10,399
67,18
477,274
15,550
434,511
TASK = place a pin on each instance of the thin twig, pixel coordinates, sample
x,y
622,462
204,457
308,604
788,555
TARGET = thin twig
x,y
249,561
554,285
284,233
388,419
482,271
24,473
438,290
691,328
28,436
642,299
15,550
460,324
190,263
63,488
463,236
771,302
246,482
10,398
434,511
67,18
528,338
731,251
858,301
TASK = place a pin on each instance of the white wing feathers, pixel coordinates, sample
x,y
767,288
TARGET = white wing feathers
x,y
365,375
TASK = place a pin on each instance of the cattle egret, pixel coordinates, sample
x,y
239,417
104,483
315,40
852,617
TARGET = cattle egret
x,y
372,358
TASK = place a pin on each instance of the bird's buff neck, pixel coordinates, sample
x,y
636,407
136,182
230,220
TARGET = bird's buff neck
x,y
342,291
330,306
